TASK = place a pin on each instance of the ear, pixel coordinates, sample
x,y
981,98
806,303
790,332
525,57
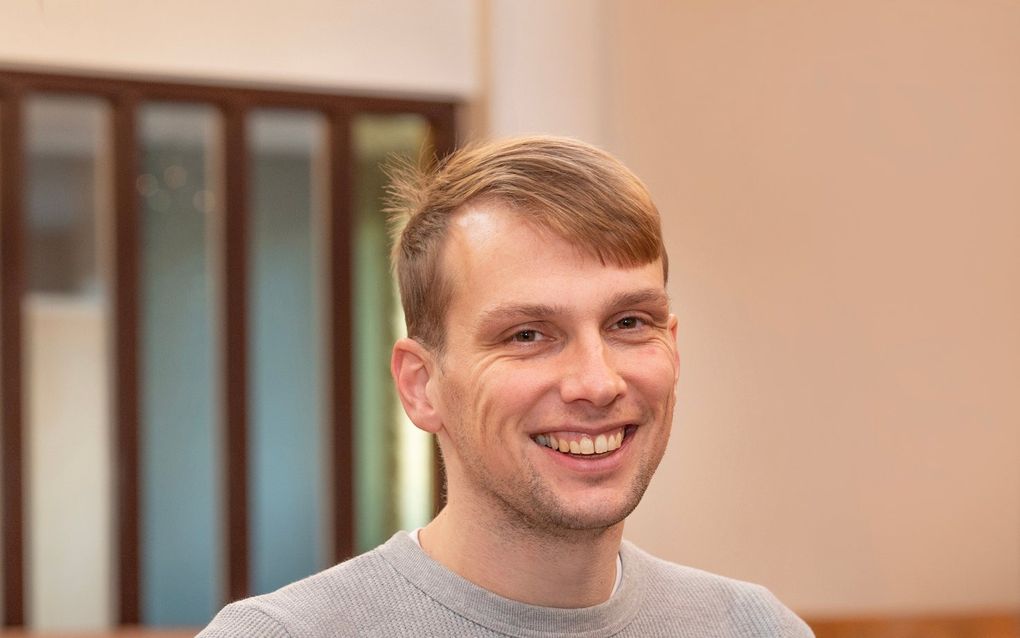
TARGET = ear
x,y
672,326
411,366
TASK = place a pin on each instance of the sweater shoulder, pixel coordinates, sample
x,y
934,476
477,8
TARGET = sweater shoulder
x,y
724,606
324,604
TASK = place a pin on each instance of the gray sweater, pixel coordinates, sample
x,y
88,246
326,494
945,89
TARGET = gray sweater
x,y
397,590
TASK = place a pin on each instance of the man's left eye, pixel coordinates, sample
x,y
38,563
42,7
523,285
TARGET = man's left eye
x,y
628,323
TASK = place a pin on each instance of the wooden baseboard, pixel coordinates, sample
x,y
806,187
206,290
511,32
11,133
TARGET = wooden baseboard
x,y
126,632
977,626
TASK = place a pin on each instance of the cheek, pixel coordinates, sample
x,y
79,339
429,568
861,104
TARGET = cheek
x,y
509,392
658,389
655,373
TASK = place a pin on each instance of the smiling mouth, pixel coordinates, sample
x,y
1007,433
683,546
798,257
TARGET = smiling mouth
x,y
578,444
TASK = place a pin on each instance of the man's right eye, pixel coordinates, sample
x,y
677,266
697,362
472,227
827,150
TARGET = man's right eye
x,y
525,336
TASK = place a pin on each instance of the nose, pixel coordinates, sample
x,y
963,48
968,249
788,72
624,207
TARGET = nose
x,y
590,375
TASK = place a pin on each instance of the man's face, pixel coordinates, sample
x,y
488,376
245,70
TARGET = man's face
x,y
546,346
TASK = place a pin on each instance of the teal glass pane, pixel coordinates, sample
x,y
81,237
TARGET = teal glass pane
x,y
393,459
287,437
179,195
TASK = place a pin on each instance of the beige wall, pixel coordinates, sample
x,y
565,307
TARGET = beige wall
x,y
842,208
545,67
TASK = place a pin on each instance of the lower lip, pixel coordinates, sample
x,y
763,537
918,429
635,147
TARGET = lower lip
x,y
594,463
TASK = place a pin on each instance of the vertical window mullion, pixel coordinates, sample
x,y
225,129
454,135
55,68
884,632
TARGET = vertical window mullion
x,y
234,343
341,413
126,246
12,288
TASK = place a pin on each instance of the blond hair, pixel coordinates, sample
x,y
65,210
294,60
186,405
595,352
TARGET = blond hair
x,y
572,189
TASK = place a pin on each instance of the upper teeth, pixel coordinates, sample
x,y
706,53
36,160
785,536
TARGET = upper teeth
x,y
582,444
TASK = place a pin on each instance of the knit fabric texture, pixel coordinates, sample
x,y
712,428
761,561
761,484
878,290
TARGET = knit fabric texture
x,y
398,590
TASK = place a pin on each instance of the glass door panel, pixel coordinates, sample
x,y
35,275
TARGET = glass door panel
x,y
287,437
180,189
66,318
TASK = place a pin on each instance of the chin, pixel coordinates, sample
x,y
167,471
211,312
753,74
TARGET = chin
x,y
591,518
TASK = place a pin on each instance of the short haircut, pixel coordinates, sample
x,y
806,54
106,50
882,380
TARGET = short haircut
x,y
572,189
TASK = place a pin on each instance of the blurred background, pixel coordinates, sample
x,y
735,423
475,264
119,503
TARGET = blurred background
x,y
196,309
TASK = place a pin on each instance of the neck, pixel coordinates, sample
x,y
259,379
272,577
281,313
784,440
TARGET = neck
x,y
565,568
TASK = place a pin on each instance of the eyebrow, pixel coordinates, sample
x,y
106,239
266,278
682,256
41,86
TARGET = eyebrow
x,y
516,310
655,296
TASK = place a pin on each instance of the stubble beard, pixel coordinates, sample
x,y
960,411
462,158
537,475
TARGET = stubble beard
x,y
529,504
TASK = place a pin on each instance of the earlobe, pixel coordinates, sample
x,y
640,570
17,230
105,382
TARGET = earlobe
x,y
411,368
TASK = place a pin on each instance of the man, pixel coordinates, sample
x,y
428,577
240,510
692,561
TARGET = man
x,y
542,354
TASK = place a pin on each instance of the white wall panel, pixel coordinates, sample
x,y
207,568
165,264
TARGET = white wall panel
x,y
69,465
392,45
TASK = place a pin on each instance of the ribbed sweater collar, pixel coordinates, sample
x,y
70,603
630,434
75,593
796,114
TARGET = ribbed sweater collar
x,y
510,617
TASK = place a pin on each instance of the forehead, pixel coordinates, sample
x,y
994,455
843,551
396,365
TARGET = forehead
x,y
494,256
487,239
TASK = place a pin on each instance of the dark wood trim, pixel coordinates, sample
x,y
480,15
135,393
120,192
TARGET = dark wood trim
x,y
438,479
127,384
12,282
444,130
340,218
233,288
990,625
225,94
